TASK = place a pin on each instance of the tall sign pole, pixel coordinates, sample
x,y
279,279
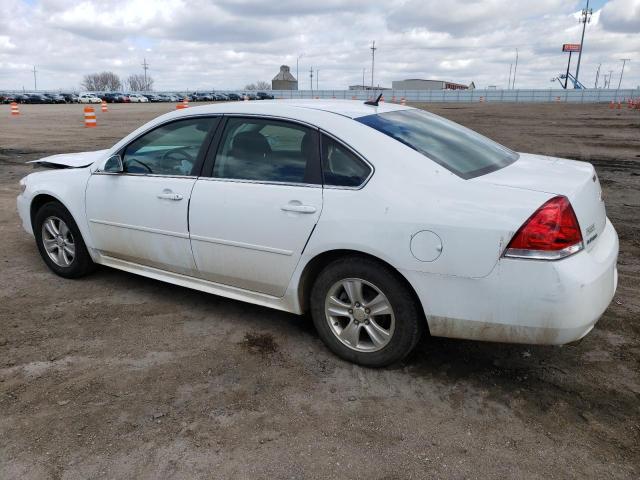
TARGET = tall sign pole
x,y
585,17
35,82
569,47
145,66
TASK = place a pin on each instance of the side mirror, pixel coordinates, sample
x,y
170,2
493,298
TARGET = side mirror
x,y
114,164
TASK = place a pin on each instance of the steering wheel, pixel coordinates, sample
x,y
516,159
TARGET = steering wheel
x,y
135,160
179,151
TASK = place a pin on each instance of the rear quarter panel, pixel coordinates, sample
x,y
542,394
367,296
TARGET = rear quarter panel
x,y
408,193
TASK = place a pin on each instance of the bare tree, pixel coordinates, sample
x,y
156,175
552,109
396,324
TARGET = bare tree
x,y
103,81
136,83
260,85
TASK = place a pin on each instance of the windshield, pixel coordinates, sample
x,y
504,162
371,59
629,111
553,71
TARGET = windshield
x,y
458,149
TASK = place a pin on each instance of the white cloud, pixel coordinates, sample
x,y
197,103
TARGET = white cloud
x,y
194,44
621,16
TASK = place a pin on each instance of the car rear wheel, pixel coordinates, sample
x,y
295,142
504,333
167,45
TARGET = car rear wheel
x,y
365,313
60,243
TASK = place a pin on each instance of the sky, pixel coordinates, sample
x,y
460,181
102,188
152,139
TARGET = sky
x,y
226,44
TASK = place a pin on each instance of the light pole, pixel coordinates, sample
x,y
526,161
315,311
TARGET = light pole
x,y
317,79
585,17
363,70
297,73
373,60
515,69
624,61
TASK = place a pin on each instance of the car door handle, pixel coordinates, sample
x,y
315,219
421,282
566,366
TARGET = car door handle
x,y
170,196
298,208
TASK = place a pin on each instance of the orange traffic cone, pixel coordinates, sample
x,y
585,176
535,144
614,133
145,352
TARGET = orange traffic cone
x,y
103,106
619,105
612,105
180,106
403,101
481,99
14,109
90,117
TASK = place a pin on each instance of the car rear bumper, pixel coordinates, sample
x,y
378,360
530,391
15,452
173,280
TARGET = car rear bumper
x,y
524,301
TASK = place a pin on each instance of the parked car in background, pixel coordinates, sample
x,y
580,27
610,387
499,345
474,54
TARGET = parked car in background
x,y
56,97
152,97
88,98
221,97
137,98
20,98
249,96
233,96
36,98
111,97
7,97
264,96
70,97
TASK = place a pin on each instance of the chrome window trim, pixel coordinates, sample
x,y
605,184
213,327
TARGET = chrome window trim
x,y
261,182
129,174
357,154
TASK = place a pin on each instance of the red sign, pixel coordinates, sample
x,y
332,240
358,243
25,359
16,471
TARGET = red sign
x,y
571,47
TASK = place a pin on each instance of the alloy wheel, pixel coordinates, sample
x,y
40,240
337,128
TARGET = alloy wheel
x,y
359,315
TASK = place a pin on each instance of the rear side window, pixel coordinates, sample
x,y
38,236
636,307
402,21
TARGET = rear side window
x,y
458,149
268,151
340,167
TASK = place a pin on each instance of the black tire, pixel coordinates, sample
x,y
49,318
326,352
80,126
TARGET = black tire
x,y
409,319
81,264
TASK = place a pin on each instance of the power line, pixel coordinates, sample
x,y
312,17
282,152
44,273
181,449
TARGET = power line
x,y
373,60
585,17
624,61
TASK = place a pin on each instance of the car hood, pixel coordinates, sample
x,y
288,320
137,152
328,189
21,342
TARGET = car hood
x,y
71,160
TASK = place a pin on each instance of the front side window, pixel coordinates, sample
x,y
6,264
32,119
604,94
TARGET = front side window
x,y
458,149
171,149
340,166
267,151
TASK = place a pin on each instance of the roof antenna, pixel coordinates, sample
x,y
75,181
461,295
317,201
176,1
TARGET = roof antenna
x,y
373,102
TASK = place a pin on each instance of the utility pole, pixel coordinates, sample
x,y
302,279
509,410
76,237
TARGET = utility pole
x,y
609,79
35,82
298,73
509,82
311,78
373,60
145,66
597,75
624,61
317,79
363,70
515,70
585,17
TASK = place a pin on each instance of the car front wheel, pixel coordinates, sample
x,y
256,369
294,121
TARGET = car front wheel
x,y
60,242
365,313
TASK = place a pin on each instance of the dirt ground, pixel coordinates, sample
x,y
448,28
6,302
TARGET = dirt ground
x,y
116,376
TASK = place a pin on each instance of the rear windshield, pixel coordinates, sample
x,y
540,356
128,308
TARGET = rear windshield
x,y
458,149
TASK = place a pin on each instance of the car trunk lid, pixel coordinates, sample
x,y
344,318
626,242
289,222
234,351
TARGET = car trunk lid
x,y
575,180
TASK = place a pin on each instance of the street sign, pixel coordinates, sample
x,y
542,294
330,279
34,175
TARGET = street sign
x,y
571,47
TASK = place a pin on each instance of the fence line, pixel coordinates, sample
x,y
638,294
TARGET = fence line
x,y
477,95
432,96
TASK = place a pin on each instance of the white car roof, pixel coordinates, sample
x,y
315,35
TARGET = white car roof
x,y
288,108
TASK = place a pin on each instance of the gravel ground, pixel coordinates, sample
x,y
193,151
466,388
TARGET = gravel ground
x,y
118,376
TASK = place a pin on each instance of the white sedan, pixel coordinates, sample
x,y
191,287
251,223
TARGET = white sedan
x,y
381,221
137,98
88,98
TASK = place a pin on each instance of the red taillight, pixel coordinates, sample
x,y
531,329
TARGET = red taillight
x,y
552,232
